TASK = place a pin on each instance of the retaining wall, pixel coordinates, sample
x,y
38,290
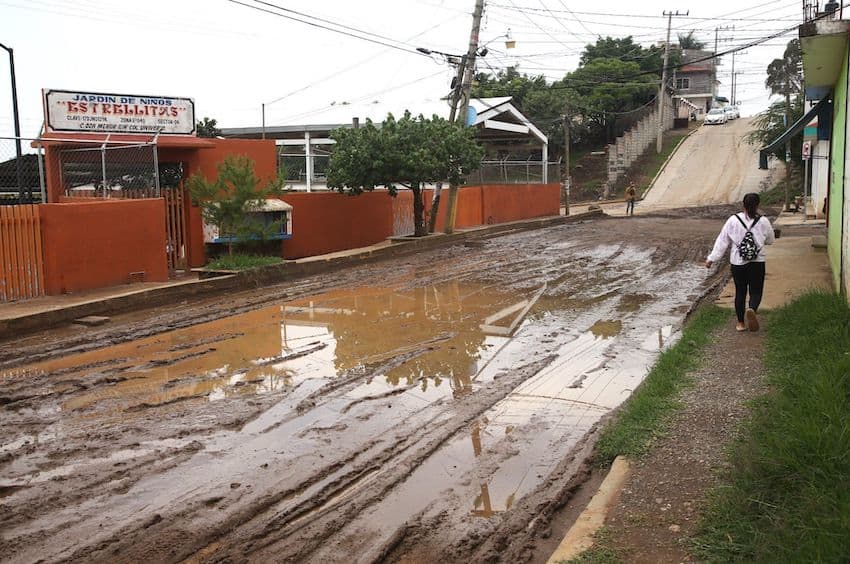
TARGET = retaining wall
x,y
631,145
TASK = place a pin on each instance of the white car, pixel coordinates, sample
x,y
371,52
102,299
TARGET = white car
x,y
715,116
731,112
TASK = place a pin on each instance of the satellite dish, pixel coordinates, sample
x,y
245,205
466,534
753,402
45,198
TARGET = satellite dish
x,y
471,116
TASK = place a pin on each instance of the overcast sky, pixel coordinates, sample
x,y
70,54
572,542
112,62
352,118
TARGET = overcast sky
x,y
231,58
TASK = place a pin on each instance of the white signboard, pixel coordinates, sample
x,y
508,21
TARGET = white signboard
x,y
96,112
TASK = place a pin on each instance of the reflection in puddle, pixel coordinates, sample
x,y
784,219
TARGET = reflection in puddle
x,y
431,337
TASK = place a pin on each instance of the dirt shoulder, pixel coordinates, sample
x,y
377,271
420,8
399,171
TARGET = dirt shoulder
x,y
660,505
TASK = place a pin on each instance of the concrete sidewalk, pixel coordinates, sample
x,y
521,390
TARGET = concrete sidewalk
x,y
41,313
793,264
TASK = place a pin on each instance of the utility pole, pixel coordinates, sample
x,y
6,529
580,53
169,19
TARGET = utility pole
x,y
732,85
716,60
435,201
465,90
18,154
717,31
566,163
662,88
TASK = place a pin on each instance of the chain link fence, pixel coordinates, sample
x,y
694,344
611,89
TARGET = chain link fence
x,y
21,179
83,169
516,172
104,170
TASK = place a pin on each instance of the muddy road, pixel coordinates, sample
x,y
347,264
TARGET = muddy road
x,y
436,407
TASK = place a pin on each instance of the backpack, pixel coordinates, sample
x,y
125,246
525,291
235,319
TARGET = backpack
x,y
747,248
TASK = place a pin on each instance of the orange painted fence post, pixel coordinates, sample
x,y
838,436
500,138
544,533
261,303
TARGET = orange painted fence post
x,y
21,260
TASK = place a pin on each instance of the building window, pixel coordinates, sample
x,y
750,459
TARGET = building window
x,y
683,84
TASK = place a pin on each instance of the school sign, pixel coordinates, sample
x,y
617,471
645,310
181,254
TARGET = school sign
x,y
95,112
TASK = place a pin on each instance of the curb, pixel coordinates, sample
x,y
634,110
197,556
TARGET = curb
x,y
580,536
289,270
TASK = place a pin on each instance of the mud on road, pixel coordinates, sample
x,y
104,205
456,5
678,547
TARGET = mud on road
x,y
437,407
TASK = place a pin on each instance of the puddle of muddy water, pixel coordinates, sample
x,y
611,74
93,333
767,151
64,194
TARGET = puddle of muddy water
x,y
605,329
432,338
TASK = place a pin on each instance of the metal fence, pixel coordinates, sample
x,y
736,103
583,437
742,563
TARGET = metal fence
x,y
516,172
110,170
21,180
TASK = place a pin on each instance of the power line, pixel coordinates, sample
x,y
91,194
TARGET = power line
x,y
646,16
538,25
349,68
581,23
394,45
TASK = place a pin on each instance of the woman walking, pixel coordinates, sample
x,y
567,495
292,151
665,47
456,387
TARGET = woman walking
x,y
747,232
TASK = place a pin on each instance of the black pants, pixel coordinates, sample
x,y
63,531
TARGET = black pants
x,y
630,207
748,277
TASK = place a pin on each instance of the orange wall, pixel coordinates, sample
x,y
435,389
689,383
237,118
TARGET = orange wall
x,y
511,202
469,207
96,244
325,222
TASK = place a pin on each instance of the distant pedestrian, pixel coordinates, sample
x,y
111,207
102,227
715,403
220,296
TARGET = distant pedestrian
x,y
631,196
748,233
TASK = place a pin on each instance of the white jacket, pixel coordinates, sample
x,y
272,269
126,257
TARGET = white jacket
x,y
733,233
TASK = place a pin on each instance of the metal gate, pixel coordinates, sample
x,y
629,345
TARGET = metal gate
x,y
175,228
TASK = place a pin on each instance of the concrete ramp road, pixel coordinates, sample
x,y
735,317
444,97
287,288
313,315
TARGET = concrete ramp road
x,y
715,165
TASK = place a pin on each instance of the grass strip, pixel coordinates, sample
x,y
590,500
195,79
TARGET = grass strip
x,y
786,496
241,262
643,414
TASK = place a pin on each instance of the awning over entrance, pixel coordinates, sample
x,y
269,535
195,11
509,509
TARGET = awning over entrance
x,y
822,111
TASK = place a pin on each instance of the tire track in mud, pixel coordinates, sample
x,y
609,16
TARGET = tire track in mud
x,y
275,532
273,516
586,265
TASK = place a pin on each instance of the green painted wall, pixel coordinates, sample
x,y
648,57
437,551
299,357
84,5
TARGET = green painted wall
x,y
836,174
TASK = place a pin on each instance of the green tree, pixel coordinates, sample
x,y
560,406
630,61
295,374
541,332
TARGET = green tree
x,y
770,124
688,41
648,59
785,78
207,127
227,202
603,88
408,152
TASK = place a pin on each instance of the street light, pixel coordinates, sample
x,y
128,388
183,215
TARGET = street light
x,y
17,127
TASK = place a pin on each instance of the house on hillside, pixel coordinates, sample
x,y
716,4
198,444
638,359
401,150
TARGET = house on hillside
x,y
826,55
695,82
516,150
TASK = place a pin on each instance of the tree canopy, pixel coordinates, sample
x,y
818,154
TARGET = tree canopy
x,y
409,152
783,75
688,41
207,127
626,50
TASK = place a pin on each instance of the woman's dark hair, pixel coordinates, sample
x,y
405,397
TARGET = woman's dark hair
x,y
751,204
